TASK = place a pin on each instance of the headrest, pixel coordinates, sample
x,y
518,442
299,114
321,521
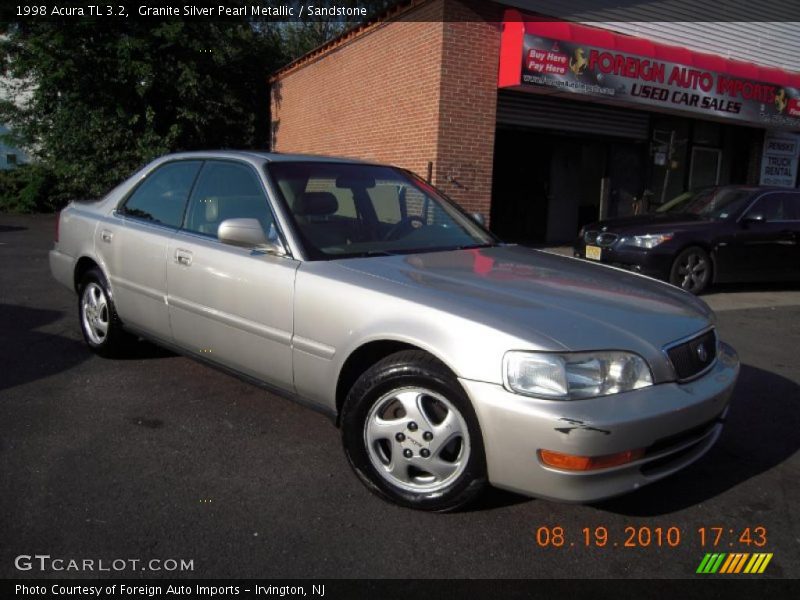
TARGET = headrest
x,y
315,203
212,209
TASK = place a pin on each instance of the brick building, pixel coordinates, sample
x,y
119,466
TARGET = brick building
x,y
544,124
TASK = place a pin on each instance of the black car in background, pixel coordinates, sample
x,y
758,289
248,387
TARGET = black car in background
x,y
715,235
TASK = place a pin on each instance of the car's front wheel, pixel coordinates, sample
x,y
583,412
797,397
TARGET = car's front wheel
x,y
691,270
411,435
100,325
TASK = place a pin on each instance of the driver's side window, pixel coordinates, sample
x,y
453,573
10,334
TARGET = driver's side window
x,y
770,207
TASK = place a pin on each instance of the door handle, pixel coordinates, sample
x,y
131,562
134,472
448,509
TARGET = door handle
x,y
106,236
183,257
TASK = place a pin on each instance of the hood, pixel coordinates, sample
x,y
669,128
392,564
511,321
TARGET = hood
x,y
555,302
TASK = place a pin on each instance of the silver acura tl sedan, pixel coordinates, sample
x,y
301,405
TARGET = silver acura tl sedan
x,y
448,359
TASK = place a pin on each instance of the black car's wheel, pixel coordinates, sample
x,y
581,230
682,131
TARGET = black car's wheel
x,y
691,270
100,325
411,435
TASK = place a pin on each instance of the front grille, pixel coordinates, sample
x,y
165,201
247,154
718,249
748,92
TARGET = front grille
x,y
590,237
695,356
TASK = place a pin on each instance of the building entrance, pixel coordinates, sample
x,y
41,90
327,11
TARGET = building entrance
x,y
546,186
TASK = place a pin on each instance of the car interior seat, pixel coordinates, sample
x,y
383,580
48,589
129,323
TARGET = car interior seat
x,y
314,211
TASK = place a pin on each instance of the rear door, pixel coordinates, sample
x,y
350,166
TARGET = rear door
x,y
133,242
790,221
768,247
229,304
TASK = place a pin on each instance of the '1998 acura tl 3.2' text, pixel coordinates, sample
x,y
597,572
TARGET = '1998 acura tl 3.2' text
x,y
448,359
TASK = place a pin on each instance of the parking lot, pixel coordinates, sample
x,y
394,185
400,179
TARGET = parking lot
x,y
157,456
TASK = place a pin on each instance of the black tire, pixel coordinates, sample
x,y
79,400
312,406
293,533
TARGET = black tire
x,y
114,341
691,270
415,374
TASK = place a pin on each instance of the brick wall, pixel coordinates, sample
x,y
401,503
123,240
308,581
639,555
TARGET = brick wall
x,y
417,90
468,102
376,97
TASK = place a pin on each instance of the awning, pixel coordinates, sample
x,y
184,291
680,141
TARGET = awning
x,y
559,57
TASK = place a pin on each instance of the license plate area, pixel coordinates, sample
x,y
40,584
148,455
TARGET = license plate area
x,y
593,252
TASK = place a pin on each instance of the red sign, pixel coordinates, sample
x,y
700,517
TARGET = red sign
x,y
548,62
571,58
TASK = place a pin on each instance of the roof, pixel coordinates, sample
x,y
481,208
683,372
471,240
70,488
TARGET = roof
x,y
262,155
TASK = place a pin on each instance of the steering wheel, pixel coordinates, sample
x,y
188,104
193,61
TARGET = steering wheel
x,y
407,224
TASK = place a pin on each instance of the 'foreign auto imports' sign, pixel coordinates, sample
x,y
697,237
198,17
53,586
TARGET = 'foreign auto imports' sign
x,y
574,67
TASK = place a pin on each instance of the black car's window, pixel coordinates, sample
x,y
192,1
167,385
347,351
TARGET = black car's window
x,y
770,206
714,203
161,197
227,190
778,206
791,206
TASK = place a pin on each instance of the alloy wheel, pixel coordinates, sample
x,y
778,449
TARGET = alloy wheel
x,y
94,313
417,440
693,271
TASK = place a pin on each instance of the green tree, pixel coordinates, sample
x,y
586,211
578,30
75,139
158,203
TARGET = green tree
x,y
299,37
93,103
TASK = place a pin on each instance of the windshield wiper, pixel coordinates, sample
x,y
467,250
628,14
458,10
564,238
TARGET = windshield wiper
x,y
475,246
368,253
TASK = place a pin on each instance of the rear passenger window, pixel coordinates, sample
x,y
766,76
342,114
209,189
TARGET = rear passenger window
x,y
790,206
226,190
162,197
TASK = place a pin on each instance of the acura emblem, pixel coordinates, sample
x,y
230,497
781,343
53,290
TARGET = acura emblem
x,y
702,353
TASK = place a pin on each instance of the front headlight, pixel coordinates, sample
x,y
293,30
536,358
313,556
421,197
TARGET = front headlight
x,y
574,375
651,240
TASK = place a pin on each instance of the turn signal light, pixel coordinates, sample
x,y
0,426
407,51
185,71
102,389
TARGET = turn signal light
x,y
570,462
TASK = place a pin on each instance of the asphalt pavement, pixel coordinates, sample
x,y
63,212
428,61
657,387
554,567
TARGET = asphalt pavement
x,y
159,457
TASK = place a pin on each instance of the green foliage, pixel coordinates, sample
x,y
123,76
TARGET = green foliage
x,y
92,103
101,101
26,189
299,37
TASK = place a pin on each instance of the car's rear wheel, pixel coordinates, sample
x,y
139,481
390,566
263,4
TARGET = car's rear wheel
x,y
691,270
411,435
100,324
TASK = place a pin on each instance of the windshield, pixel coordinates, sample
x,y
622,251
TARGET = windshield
x,y
677,201
712,203
346,210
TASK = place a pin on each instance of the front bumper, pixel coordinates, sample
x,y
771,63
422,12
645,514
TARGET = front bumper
x,y
675,423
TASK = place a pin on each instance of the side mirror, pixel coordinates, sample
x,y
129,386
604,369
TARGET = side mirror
x,y
754,217
248,233
479,219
